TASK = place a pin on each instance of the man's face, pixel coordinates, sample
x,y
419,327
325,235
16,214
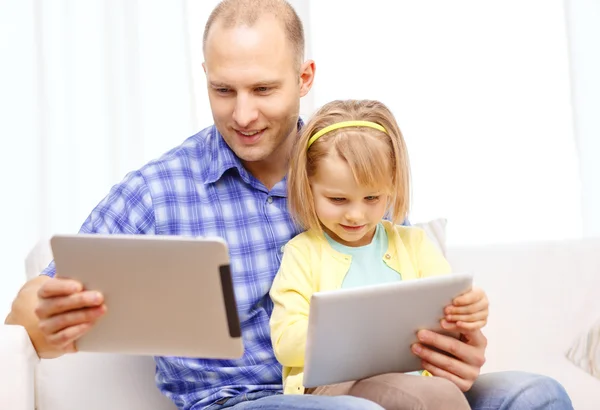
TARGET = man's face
x,y
254,87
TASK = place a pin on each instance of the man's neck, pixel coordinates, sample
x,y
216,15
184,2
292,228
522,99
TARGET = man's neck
x,y
268,174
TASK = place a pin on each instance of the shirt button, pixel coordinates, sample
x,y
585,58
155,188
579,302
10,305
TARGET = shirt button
x,y
282,249
269,199
387,256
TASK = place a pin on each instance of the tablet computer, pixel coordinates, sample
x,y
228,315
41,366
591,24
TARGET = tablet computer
x,y
165,295
362,332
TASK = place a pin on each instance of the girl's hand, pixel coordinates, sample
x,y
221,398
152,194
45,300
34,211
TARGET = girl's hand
x,y
469,311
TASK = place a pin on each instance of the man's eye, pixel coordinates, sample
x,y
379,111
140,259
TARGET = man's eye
x,y
262,89
222,90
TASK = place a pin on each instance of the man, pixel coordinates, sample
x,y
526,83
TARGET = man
x,y
229,181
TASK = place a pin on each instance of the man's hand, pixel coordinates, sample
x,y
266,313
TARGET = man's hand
x,y
463,359
55,312
65,312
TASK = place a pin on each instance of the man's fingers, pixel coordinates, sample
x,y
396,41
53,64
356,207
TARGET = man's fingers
x,y
477,339
57,323
48,307
463,385
65,339
444,362
448,344
59,287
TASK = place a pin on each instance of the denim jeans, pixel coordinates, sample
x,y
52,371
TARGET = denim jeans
x,y
491,391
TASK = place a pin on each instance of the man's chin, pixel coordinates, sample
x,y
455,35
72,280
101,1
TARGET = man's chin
x,y
246,153
251,154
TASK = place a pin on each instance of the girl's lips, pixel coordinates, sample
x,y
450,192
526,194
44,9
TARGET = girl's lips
x,y
352,228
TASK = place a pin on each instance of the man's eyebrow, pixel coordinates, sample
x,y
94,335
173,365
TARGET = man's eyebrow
x,y
218,84
266,83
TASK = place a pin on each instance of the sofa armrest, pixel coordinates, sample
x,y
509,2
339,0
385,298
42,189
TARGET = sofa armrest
x,y
18,359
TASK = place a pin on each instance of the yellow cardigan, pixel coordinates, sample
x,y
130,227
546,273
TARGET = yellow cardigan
x,y
310,265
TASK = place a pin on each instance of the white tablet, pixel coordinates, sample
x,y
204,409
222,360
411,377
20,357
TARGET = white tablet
x,y
165,295
363,332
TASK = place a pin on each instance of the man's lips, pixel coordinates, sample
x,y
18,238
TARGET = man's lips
x,y
249,133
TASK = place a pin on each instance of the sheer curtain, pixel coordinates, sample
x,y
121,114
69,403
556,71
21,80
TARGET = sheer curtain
x,y
93,89
583,22
90,90
481,91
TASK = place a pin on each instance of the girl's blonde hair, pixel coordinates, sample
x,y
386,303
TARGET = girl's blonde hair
x,y
377,159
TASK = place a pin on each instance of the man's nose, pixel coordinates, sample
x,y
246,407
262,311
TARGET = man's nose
x,y
245,111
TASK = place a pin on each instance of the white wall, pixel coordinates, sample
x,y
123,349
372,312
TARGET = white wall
x,y
583,22
481,91
89,91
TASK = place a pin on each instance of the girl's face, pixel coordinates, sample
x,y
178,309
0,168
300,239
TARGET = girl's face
x,y
348,212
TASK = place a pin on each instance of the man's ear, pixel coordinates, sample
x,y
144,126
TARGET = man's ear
x,y
204,67
307,76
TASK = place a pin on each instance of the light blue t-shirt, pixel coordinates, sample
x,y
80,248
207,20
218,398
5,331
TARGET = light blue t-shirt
x,y
367,267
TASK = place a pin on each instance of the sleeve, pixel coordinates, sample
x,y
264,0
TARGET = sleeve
x,y
127,209
291,292
430,259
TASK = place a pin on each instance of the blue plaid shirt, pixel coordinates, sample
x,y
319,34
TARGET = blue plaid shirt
x,y
201,189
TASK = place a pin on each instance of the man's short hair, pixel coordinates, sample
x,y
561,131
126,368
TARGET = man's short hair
x,y
231,13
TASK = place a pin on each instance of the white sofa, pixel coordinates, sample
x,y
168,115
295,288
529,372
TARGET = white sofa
x,y
542,295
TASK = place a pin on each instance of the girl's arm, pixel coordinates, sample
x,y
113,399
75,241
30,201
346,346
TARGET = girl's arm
x,y
291,292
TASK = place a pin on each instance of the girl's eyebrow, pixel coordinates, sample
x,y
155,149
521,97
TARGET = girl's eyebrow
x,y
333,193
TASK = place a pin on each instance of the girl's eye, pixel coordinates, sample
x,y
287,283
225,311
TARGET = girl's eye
x,y
336,199
372,198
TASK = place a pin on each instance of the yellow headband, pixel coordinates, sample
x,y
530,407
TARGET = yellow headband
x,y
344,124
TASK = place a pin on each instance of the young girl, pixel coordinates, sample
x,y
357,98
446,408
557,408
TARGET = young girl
x,y
348,186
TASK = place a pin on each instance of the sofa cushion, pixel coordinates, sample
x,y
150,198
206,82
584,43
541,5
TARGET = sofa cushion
x,y
585,351
436,231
